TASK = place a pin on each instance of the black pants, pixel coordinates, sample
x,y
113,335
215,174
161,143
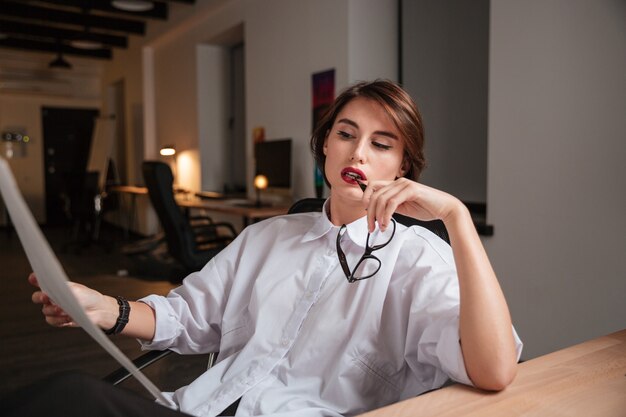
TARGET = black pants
x,y
74,394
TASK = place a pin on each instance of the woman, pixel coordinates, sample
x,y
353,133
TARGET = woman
x,y
339,312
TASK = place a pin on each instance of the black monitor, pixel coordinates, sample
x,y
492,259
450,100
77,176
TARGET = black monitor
x,y
273,159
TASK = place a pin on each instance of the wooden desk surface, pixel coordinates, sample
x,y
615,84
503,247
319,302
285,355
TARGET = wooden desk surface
x,y
129,189
224,206
588,379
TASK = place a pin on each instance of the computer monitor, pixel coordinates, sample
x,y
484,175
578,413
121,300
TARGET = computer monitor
x,y
273,159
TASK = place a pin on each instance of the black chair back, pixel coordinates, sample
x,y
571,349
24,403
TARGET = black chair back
x,y
179,235
315,204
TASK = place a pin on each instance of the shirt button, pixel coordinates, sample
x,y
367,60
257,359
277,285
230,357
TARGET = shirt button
x,y
284,341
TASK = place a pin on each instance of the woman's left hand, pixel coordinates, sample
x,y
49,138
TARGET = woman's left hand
x,y
409,198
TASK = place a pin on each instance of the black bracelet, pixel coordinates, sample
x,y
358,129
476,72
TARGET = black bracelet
x,y
122,319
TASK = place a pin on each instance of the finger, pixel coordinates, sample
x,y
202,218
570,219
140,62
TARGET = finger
x,y
404,193
371,195
385,207
53,310
367,202
40,297
32,279
60,321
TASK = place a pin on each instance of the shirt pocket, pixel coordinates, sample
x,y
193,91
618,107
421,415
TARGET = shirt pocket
x,y
235,335
376,380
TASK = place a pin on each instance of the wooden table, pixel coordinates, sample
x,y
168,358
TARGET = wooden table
x,y
249,213
133,191
584,380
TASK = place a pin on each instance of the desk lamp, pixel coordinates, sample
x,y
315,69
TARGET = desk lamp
x,y
260,183
170,150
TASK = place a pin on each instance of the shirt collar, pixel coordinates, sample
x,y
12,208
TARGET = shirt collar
x,y
356,231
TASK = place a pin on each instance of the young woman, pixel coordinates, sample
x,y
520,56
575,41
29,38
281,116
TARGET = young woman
x,y
339,312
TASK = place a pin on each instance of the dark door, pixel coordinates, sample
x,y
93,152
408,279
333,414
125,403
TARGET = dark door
x,y
67,140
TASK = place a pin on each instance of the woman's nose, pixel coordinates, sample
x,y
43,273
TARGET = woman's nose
x,y
358,153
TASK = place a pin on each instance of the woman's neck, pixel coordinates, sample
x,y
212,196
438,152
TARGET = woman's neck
x,y
344,211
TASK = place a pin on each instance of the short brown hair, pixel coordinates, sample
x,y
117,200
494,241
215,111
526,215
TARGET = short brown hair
x,y
397,104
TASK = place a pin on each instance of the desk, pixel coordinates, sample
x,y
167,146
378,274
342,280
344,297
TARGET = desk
x,y
588,379
133,191
248,213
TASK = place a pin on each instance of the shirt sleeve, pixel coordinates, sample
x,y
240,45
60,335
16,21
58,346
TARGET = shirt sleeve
x,y
189,318
433,340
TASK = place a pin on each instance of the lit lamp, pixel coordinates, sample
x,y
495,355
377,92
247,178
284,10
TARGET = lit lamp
x,y
170,150
260,183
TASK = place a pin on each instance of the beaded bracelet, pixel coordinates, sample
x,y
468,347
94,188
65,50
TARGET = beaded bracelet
x,y
122,319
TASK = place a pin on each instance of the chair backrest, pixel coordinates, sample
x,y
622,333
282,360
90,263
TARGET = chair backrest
x,y
178,233
315,204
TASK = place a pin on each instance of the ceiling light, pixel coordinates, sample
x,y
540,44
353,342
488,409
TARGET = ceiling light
x,y
86,44
59,62
133,5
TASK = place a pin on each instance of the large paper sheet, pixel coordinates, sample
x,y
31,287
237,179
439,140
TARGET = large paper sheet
x,y
51,276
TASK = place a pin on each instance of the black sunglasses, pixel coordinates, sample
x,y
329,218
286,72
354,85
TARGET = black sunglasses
x,y
364,266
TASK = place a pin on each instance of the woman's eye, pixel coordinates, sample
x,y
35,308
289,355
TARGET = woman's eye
x,y
344,135
381,146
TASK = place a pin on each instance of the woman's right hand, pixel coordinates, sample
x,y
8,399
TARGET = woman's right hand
x,y
101,309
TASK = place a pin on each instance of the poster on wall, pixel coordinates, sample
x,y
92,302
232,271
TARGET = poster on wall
x,y
323,94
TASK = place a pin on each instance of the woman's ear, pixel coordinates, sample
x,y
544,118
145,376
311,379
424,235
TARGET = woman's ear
x,y
325,148
404,168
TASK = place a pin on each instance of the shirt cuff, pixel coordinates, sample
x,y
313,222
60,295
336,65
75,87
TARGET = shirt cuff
x,y
167,325
450,354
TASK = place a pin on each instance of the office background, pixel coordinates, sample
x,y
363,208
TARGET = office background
x,y
552,112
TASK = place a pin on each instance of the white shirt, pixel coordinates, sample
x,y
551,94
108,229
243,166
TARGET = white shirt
x,y
296,339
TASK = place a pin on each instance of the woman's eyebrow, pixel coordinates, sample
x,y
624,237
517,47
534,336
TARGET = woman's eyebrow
x,y
378,132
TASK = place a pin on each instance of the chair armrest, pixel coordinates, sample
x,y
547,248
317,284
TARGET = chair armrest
x,y
195,219
227,226
119,375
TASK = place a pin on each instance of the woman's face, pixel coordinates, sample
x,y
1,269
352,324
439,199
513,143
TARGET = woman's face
x,y
363,141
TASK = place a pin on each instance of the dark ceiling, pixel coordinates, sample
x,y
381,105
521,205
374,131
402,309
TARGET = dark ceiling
x,y
71,27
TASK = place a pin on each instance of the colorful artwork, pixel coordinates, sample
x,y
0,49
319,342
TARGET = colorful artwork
x,y
323,96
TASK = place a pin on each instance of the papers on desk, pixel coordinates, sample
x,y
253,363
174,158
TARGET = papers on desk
x,y
51,276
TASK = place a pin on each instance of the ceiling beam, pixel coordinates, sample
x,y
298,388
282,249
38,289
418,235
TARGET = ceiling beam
x,y
31,31
158,11
54,48
56,16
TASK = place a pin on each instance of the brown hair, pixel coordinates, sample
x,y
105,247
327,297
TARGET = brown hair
x,y
397,104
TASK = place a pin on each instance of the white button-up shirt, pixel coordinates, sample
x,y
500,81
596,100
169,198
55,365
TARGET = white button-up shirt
x,y
296,339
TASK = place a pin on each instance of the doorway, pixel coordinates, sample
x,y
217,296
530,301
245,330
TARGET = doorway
x,y
67,134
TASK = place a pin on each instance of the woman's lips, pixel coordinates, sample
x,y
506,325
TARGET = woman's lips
x,y
352,175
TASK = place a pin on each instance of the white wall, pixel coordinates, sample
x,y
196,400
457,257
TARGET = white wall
x,y
287,41
557,176
372,40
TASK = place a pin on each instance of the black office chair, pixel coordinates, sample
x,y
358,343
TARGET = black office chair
x,y
192,241
85,207
435,226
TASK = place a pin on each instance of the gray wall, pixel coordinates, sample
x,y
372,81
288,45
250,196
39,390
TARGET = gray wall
x,y
557,171
445,68
532,95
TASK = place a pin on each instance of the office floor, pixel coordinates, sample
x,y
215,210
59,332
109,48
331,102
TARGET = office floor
x,y
31,350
